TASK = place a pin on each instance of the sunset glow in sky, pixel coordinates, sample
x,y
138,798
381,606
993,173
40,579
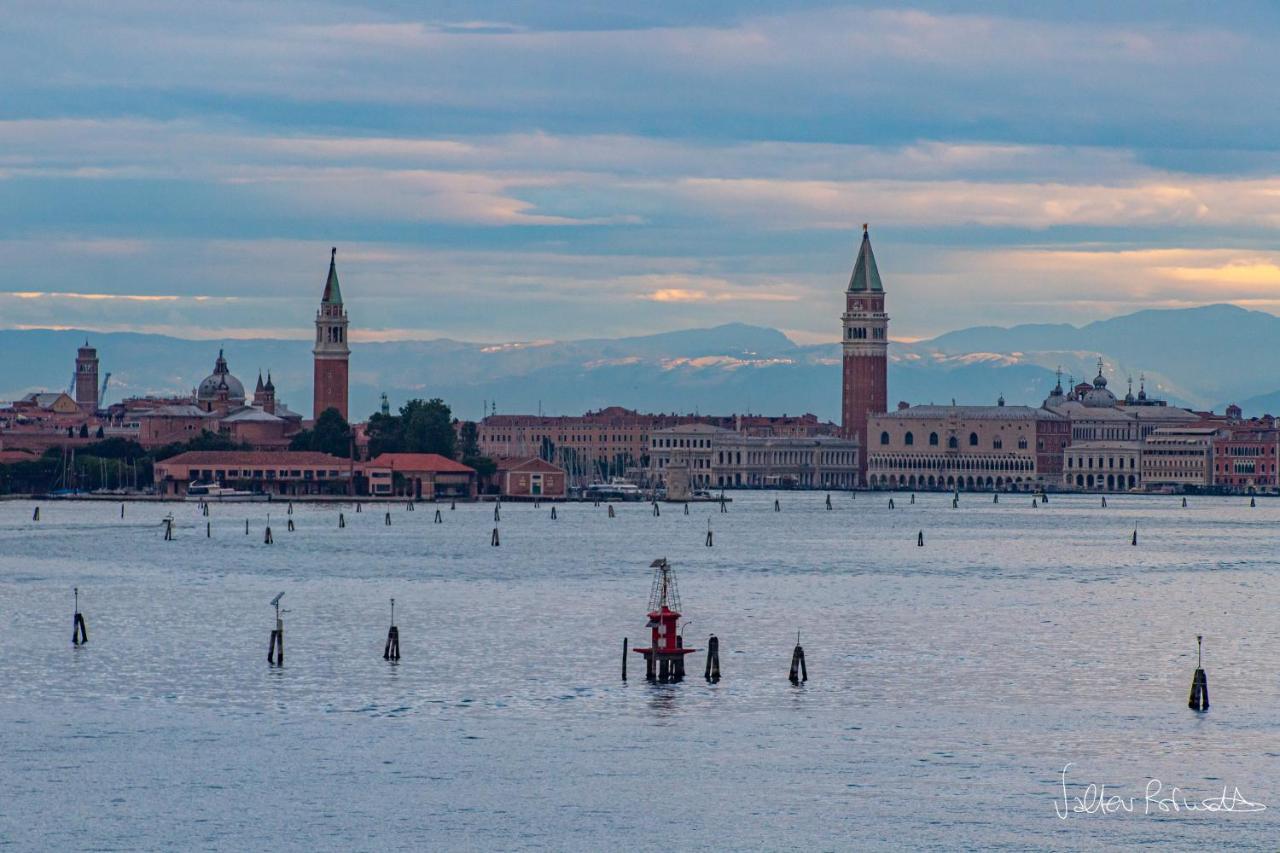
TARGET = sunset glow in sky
x,y
528,171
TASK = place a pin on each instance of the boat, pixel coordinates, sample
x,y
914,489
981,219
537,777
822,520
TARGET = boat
x,y
614,490
215,493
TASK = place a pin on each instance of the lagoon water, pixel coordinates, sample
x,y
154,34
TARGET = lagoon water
x,y
949,684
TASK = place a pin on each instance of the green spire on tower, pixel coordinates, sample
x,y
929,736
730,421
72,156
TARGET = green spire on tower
x,y
332,293
865,278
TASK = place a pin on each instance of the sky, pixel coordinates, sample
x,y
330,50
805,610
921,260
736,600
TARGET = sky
x,y
550,170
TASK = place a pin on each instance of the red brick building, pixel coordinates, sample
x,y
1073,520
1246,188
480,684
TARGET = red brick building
x,y
1244,454
529,477
331,353
865,342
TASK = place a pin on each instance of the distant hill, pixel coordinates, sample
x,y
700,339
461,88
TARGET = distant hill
x,y
1204,357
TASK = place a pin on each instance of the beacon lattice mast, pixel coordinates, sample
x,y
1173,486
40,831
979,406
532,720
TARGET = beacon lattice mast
x,y
664,659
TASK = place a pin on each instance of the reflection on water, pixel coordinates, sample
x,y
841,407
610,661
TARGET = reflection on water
x,y
948,685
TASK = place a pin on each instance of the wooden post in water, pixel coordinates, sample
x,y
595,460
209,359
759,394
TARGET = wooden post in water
x,y
1199,700
677,665
799,673
342,521
1252,502
79,633
686,507
777,505
1034,504
122,510
713,660
35,516
995,498
290,526
1184,502
246,527
1134,540
290,508
709,538
828,500
890,503
656,511
208,530
267,538
625,640
358,506
723,506
497,515
453,505
913,497
276,649
493,540
1104,501
439,519
553,513
392,650
168,528
920,539
611,515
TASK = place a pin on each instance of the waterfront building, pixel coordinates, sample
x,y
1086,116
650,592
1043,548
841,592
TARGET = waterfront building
x,y
331,354
706,456
865,346
283,473
1245,454
1179,458
616,441
962,447
529,477
1107,434
421,476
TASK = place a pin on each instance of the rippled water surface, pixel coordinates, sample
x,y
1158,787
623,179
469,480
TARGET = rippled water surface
x,y
949,684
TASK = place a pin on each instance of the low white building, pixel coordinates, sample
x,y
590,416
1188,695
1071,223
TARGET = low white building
x,y
721,458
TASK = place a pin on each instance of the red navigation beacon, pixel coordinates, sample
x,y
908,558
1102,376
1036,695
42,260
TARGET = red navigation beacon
x,y
664,660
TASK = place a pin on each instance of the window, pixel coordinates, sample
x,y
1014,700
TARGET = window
x,y
909,439
952,442
997,443
884,438
973,439
1022,443
933,439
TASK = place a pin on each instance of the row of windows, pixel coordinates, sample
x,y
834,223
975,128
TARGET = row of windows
x,y
909,439
1087,462
951,463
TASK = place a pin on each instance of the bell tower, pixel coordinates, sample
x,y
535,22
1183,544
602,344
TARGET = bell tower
x,y
86,383
331,352
865,343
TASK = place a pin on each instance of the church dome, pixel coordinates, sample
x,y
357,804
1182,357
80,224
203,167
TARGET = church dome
x,y
221,376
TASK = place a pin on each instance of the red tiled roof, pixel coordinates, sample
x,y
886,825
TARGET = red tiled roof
x,y
267,458
419,462
7,456
528,463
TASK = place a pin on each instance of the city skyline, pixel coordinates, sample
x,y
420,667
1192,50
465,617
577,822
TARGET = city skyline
x,y
179,172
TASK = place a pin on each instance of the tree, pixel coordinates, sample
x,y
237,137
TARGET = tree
x,y
84,430
421,427
468,441
330,434
205,441
99,433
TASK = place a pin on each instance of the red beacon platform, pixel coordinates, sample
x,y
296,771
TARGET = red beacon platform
x,y
664,659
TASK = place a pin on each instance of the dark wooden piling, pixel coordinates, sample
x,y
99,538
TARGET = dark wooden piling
x,y
358,509
79,633
777,505
267,538
1184,503
723,506
290,508
204,510
656,512
493,540
289,527
625,641
712,673
168,529
122,510
890,503
208,530
1252,502
453,505
1104,502
709,537
611,515
1034,504
649,673
686,507
553,513
35,516
799,673
392,650
1134,540
677,665
995,499
246,527
920,539
913,497
497,514
342,521
828,500
387,520
276,649
1199,700
439,519
409,507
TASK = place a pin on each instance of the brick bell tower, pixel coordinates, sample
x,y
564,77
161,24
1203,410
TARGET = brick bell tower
x,y
865,344
87,378
331,351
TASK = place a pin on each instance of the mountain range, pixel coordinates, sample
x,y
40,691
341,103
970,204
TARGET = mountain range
x,y
1203,357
